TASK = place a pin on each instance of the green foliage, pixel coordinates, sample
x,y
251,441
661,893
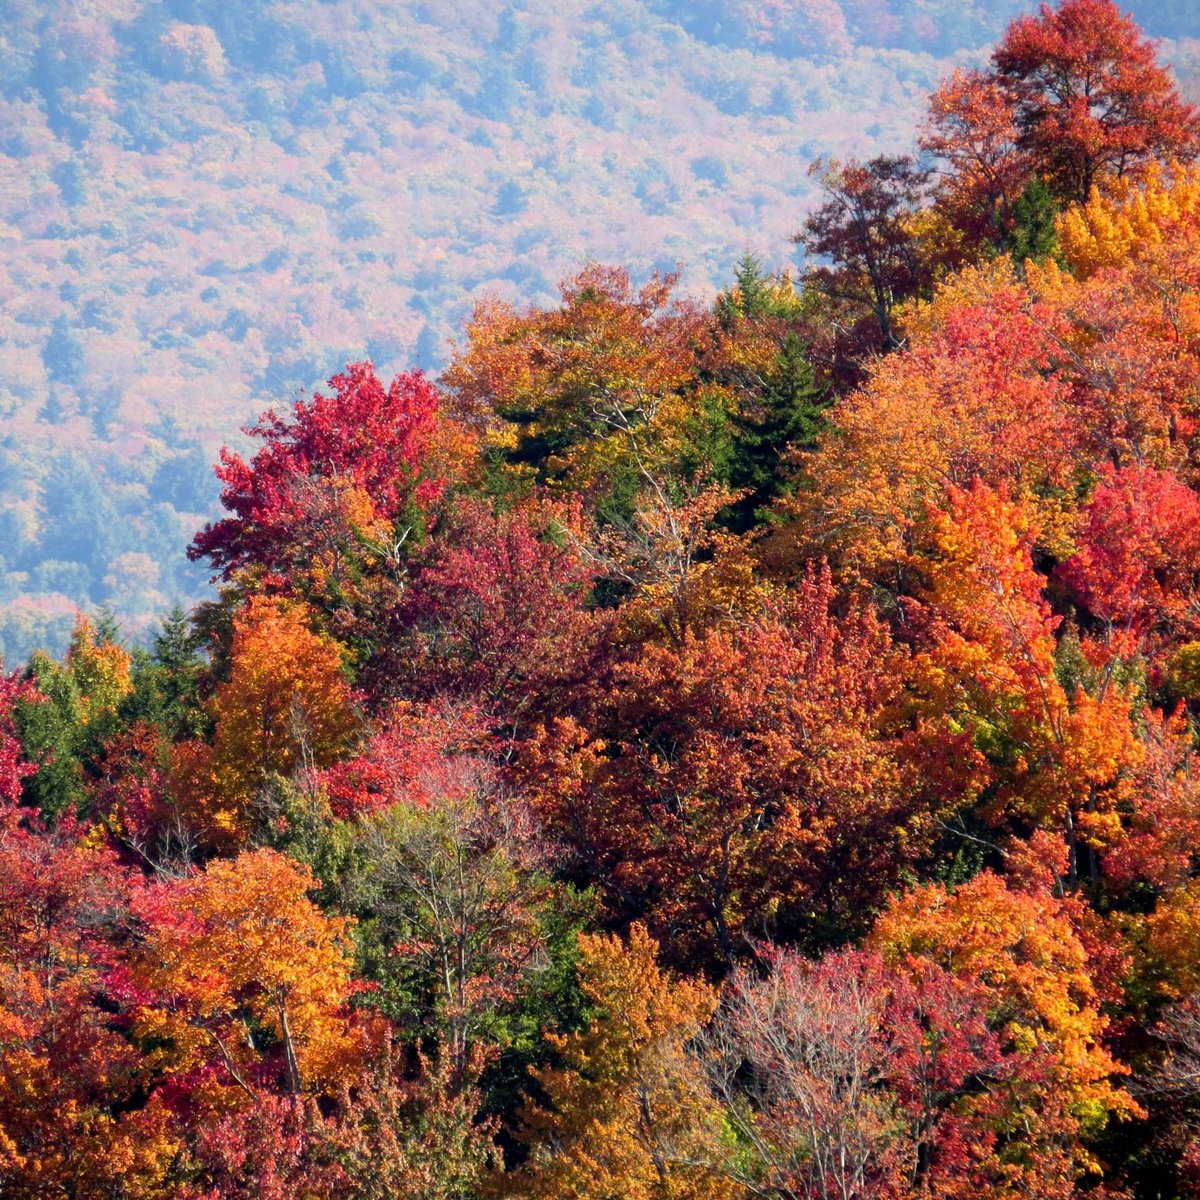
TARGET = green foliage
x,y
1032,235
789,413
53,736
167,681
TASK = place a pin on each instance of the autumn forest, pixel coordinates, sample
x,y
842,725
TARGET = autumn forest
x,y
683,751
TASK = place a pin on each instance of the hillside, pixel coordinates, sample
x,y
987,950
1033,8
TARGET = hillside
x,y
699,747
206,206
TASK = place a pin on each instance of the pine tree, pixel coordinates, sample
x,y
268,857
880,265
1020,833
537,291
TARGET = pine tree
x,y
1033,234
790,412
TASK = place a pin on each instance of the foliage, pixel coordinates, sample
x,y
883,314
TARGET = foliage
x,y
625,1112
285,709
239,970
688,752
862,228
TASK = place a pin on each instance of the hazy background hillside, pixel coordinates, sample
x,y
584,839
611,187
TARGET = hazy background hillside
x,y
208,204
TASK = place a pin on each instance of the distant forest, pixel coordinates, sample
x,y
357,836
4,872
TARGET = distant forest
x,y
209,206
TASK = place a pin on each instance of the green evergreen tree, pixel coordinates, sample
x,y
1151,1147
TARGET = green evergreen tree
x,y
167,679
788,413
1032,235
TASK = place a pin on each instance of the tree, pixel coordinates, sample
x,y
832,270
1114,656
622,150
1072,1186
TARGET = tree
x,y
13,766
797,1055
787,413
739,781
452,889
861,227
167,680
286,709
972,129
498,616
1034,233
1024,950
277,1148
101,668
70,1117
354,464
65,719
855,1078
1137,566
413,1132
1162,828
626,1113
1090,100
1155,222
992,716
597,393
239,971
764,355
970,398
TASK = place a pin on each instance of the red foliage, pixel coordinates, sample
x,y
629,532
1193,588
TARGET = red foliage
x,y
277,1148
417,754
498,617
736,777
1090,98
1137,568
13,767
132,796
375,439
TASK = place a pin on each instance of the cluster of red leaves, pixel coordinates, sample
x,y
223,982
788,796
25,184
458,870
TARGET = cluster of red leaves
x,y
364,436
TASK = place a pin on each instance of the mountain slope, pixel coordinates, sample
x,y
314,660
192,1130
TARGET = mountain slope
x,y
206,206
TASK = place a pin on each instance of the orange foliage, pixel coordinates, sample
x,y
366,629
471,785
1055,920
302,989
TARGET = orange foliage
x,y
972,399
286,708
989,709
1022,947
627,1111
238,967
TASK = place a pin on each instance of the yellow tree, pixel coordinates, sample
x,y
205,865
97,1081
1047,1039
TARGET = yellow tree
x,y
628,1113
1134,219
101,669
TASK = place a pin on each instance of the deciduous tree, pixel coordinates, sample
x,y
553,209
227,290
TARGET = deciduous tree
x,y
627,1111
239,971
1023,949
861,227
286,708
737,781
1091,100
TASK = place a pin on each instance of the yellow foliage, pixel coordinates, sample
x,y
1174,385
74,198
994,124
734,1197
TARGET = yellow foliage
x,y
628,1114
102,672
1132,220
